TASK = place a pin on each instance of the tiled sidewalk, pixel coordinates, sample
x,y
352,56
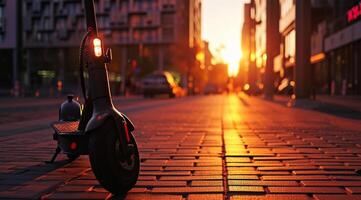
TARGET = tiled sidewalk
x,y
215,147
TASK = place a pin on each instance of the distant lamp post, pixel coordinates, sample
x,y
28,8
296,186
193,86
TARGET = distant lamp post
x,y
264,57
200,56
192,58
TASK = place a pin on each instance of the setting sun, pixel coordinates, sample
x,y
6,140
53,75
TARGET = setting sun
x,y
232,58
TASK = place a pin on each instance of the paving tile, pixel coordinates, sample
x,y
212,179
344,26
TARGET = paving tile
x,y
211,172
238,159
85,182
337,197
354,190
298,177
262,183
147,178
192,168
331,183
249,172
246,189
323,172
183,190
164,173
77,195
286,168
242,177
152,197
138,190
306,190
179,178
207,183
161,183
205,197
74,188
240,169
351,178
270,197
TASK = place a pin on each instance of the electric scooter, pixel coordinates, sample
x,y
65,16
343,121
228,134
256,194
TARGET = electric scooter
x,y
99,129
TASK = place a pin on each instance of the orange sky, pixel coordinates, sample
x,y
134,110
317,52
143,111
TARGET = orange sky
x,y
221,25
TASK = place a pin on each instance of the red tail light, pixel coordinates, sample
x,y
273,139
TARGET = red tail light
x,y
73,146
97,43
126,132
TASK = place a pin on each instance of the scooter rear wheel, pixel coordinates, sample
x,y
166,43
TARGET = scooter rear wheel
x,y
114,174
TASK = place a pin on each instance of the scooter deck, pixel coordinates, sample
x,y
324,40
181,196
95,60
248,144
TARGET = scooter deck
x,y
65,127
70,140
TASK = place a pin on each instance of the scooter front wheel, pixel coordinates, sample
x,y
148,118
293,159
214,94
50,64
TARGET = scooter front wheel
x,y
115,174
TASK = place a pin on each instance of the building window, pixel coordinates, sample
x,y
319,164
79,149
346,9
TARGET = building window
x,y
47,24
168,34
136,20
168,19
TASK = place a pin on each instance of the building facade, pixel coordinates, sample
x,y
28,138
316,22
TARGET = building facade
x,y
144,35
333,52
246,35
249,47
334,45
260,42
341,68
9,47
288,39
261,21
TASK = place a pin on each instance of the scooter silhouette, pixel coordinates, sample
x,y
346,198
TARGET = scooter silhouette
x,y
99,129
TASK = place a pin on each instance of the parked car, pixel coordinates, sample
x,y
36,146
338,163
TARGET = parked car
x,y
212,89
160,83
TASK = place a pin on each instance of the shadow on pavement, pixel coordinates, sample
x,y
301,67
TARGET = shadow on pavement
x,y
339,111
117,197
327,108
27,174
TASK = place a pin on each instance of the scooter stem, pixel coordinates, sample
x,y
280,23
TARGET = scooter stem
x,y
98,76
90,16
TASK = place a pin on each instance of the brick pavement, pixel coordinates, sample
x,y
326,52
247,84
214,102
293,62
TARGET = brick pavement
x,y
215,147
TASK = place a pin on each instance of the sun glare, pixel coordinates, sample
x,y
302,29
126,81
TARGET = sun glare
x,y
232,58
221,26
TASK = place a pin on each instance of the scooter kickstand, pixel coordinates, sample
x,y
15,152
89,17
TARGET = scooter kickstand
x,y
57,151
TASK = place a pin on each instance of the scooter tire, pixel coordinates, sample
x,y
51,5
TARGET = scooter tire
x,y
106,165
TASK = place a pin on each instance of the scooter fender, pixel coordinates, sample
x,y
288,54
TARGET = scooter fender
x,y
99,119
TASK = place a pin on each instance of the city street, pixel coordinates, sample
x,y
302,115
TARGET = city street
x,y
203,147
